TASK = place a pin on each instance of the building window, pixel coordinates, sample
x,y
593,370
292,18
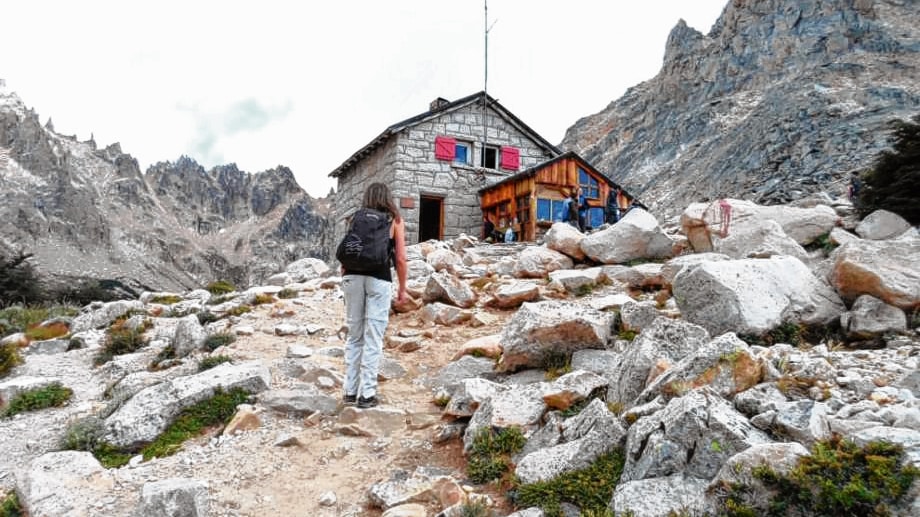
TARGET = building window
x,y
589,185
489,158
523,208
462,153
550,209
595,217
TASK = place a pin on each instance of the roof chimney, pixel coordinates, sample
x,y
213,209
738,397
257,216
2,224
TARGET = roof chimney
x,y
438,103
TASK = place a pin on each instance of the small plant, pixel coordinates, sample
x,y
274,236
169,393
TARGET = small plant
x,y
239,310
205,317
50,331
475,508
822,242
263,298
122,339
166,299
793,386
217,300
10,507
556,363
626,334
287,293
53,395
215,341
441,401
220,287
490,456
616,407
166,358
9,358
211,361
838,478
218,410
788,332
589,489
584,290
86,435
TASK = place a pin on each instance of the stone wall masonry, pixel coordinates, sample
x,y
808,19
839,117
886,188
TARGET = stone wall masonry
x,y
378,166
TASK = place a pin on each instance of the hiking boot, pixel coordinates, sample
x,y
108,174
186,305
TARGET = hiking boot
x,y
365,403
350,400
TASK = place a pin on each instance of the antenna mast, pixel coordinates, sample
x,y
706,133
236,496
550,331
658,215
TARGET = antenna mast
x,y
485,86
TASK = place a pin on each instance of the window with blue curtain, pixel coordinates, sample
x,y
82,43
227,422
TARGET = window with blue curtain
x,y
462,153
589,185
544,209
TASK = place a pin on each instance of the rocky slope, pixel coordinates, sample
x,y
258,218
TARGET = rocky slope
x,y
89,213
782,98
655,367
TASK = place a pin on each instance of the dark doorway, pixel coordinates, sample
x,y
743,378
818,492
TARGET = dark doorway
x,y
431,217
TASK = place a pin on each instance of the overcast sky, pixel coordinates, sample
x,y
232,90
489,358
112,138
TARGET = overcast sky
x,y
306,84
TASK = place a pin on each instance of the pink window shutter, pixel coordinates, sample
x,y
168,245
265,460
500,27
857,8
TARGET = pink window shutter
x,y
444,147
511,158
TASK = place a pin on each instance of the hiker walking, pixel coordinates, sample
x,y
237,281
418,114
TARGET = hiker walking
x,y
853,188
367,285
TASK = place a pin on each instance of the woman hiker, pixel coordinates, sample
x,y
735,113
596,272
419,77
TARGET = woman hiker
x,y
367,305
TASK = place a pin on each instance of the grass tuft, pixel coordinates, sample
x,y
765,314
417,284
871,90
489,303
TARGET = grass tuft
x,y
490,456
211,361
287,293
166,299
9,358
121,339
220,287
589,489
215,341
10,507
50,331
53,395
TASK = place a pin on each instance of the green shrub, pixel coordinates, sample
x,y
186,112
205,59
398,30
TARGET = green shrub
x,y
239,310
584,290
822,242
19,282
215,341
86,434
838,478
788,332
121,339
556,364
51,331
205,317
287,293
490,456
218,410
10,507
53,395
263,298
220,287
475,508
217,300
628,335
211,361
590,489
894,180
9,358
166,299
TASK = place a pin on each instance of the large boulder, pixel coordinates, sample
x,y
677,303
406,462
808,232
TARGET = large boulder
x,y
564,238
306,269
142,418
445,287
537,262
759,239
662,344
706,224
881,225
870,316
544,330
886,270
64,483
754,295
638,235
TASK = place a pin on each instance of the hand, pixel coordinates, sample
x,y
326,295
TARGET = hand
x,y
401,297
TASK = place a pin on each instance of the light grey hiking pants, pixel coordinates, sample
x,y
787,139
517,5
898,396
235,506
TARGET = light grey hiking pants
x,y
367,311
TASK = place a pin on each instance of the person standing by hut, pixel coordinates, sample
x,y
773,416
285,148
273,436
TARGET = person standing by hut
x,y
613,206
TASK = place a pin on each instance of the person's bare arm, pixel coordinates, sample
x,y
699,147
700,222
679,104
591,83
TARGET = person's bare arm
x,y
399,236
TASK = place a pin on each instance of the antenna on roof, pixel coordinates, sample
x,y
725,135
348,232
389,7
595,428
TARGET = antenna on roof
x,y
485,85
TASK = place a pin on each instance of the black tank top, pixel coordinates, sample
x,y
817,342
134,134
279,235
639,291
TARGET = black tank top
x,y
382,273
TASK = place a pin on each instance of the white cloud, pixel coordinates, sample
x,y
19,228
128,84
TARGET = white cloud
x,y
305,85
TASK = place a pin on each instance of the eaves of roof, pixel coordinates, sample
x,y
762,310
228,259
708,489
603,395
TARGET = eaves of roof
x,y
451,106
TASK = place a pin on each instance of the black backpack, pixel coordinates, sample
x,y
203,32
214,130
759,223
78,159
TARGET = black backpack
x,y
366,246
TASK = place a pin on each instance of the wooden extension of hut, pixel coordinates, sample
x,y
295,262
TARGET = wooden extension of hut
x,y
530,201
